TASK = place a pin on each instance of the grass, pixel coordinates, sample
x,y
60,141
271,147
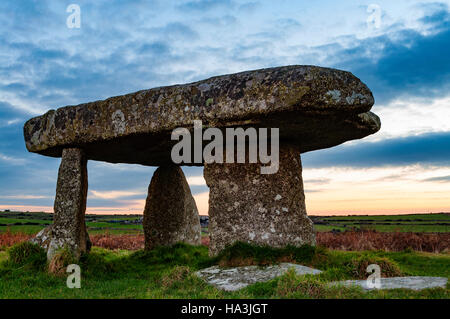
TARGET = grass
x,y
327,228
168,272
22,229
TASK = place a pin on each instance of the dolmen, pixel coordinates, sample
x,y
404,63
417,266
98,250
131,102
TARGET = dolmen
x,y
255,196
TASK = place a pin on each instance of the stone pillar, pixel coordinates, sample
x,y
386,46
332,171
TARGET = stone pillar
x,y
68,228
170,214
262,209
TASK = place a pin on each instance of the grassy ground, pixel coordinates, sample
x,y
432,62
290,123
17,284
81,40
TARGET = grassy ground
x,y
169,273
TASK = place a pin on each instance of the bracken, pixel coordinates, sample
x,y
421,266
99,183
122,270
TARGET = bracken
x,y
372,240
351,240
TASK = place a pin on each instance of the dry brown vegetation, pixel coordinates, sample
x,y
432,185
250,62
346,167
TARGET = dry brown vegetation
x,y
351,240
372,240
8,239
129,242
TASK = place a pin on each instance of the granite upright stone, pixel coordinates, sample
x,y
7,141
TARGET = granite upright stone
x,y
68,228
262,209
170,214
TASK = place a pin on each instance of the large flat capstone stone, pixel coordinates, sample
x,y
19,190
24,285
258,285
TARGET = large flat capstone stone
x,y
314,108
414,283
231,279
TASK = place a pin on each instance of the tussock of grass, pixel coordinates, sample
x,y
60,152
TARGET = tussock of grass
x,y
27,255
60,260
175,276
358,266
243,254
291,285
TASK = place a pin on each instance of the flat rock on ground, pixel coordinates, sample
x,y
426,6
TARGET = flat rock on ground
x,y
231,279
415,283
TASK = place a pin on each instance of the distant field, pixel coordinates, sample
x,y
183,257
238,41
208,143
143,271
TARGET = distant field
x,y
31,223
439,222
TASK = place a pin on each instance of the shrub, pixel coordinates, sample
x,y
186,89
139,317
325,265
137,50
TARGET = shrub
x,y
8,239
349,240
292,286
177,275
358,266
27,255
396,241
60,260
129,242
242,254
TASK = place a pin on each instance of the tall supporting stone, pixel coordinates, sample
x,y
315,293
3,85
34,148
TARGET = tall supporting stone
x,y
170,214
263,209
68,228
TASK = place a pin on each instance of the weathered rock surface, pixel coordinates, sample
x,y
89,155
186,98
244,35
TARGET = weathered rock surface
x,y
314,108
68,228
170,213
263,209
231,279
415,283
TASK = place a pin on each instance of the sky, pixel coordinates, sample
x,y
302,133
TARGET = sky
x,y
400,49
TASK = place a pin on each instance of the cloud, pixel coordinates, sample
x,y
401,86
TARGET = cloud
x,y
403,62
116,194
12,160
413,116
24,197
206,5
316,181
430,148
438,179
175,30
